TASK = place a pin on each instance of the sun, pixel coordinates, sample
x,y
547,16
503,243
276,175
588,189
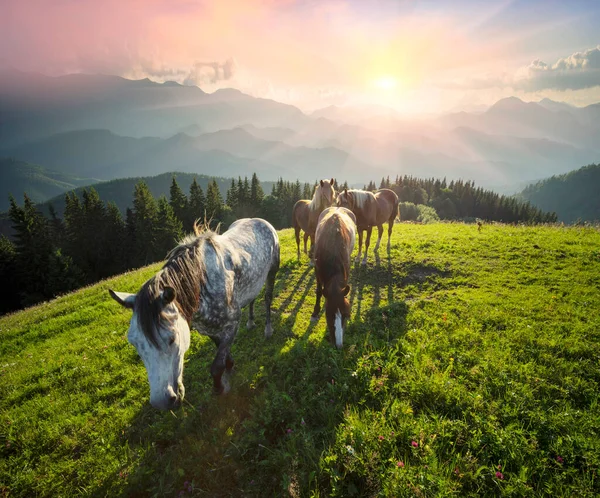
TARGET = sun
x,y
387,83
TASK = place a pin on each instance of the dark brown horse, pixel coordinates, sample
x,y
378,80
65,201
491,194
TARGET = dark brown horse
x,y
334,242
306,213
371,209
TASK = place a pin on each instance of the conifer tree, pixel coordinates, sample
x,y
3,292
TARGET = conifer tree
x,y
196,205
214,202
145,220
232,198
178,201
168,229
256,196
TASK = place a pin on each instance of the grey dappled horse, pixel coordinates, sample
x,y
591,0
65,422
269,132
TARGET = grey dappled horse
x,y
205,283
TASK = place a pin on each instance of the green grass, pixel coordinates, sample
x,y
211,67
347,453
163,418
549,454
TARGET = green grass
x,y
468,353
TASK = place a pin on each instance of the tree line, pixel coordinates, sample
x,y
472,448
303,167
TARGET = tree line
x,y
48,255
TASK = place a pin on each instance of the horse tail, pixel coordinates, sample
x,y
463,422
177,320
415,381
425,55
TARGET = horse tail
x,y
396,209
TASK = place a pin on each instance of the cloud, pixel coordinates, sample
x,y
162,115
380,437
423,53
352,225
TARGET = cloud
x,y
211,73
575,72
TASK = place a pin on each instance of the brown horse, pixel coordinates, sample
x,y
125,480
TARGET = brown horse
x,y
334,242
306,213
371,209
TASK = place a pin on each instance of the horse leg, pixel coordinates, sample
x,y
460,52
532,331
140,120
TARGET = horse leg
x,y
297,230
269,297
367,241
379,235
311,251
390,228
317,309
305,241
223,361
250,323
360,237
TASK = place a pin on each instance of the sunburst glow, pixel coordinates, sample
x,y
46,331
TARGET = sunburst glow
x,y
387,83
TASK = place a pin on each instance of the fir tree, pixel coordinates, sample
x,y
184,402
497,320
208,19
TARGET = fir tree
x,y
178,201
196,205
168,229
145,220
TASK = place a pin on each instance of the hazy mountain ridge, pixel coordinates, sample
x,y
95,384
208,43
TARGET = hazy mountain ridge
x,y
17,177
151,128
573,196
120,191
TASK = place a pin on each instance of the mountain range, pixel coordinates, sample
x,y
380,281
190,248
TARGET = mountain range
x,y
107,127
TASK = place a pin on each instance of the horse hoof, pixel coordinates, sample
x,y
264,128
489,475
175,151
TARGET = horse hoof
x,y
311,263
268,331
250,324
363,262
314,318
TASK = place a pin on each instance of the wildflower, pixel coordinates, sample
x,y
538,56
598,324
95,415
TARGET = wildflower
x,y
400,464
499,475
444,317
289,431
499,467
186,484
303,422
559,459
381,438
252,481
414,444
350,449
392,433
456,470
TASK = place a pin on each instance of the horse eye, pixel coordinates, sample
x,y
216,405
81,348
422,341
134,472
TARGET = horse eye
x,y
171,341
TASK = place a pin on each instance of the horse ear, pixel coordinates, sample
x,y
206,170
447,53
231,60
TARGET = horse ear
x,y
123,298
346,191
321,183
168,295
346,290
332,181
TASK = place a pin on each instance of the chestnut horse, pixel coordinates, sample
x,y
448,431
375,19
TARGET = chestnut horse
x,y
334,242
371,209
306,213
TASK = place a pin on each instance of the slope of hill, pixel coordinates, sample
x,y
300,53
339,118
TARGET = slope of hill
x,y
40,184
573,196
469,368
121,191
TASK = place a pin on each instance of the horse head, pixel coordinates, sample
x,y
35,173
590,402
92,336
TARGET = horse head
x,y
346,199
161,336
327,192
337,311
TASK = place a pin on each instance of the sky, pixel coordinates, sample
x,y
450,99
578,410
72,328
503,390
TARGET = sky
x,y
411,55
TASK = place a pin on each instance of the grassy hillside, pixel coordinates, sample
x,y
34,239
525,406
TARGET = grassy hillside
x,y
470,367
38,182
572,197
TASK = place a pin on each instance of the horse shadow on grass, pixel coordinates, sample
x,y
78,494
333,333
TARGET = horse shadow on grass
x,y
289,393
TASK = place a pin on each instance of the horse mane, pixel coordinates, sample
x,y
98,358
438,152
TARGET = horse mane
x,y
332,254
185,272
316,203
361,197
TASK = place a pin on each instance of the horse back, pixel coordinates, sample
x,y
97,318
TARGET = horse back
x,y
334,242
301,214
387,205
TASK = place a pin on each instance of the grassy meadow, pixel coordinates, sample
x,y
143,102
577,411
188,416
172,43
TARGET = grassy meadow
x,y
470,367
